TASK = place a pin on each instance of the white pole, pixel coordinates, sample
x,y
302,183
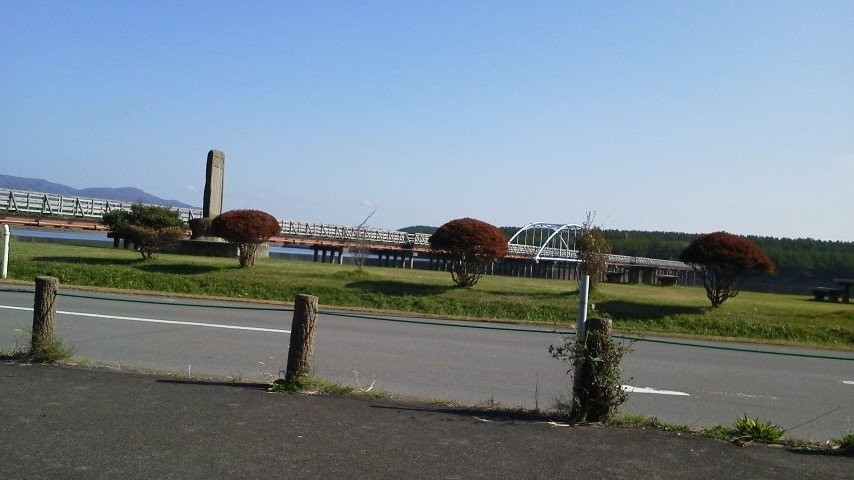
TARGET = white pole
x,y
5,249
583,288
580,330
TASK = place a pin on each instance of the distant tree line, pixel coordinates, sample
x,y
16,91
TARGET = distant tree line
x,y
801,263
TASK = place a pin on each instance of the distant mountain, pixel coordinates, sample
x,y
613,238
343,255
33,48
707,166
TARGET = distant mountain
x,y
419,229
126,194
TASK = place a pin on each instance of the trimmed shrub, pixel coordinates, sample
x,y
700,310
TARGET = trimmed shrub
x,y
723,259
472,245
247,229
150,228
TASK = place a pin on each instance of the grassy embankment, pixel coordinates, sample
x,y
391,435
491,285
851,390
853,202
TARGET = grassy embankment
x,y
773,318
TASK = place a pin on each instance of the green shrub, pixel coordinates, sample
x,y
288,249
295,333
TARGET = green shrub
x,y
746,428
597,392
150,228
847,441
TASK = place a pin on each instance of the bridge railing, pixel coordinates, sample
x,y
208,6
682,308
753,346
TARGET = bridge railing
x,y
48,204
561,254
355,234
22,201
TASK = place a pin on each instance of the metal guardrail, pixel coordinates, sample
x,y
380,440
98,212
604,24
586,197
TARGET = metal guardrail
x,y
22,201
340,232
397,238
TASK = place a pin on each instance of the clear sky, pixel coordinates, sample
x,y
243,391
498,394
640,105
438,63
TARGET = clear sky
x,y
679,116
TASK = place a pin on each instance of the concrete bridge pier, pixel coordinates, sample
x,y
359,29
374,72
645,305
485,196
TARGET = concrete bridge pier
x,y
320,253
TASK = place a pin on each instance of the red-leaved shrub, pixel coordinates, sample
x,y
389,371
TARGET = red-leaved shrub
x,y
472,245
723,259
247,229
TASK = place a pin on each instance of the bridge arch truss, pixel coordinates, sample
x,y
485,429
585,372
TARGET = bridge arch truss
x,y
546,241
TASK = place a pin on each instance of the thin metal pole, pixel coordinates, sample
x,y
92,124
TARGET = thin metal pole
x,y
583,288
5,249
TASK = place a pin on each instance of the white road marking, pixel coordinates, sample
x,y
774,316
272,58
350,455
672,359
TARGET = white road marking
x,y
848,382
631,389
155,320
744,395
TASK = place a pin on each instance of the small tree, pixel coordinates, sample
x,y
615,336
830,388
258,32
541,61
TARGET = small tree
x,y
723,259
247,229
359,246
593,249
150,228
472,245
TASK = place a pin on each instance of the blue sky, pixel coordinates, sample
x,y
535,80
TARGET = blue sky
x,y
678,116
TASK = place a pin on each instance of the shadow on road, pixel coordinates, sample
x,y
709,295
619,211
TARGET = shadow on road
x,y
842,452
483,414
249,385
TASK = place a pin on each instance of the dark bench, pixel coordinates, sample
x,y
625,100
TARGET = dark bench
x,y
667,280
845,285
832,294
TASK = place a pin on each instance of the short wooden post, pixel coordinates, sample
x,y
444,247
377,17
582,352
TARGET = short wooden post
x,y
44,311
597,339
301,351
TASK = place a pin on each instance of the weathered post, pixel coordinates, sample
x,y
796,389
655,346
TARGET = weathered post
x,y
591,394
301,351
44,312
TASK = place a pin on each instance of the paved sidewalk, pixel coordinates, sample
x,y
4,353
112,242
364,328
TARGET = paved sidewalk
x,y
65,422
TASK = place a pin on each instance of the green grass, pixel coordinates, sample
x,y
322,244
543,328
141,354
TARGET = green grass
x,y
633,420
50,350
788,319
750,429
847,441
311,384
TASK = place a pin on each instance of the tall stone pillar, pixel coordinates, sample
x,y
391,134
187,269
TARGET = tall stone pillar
x,y
214,176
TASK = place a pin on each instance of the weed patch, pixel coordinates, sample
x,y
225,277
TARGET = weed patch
x,y
50,350
745,428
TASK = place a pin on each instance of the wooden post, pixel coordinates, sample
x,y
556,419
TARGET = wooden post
x,y
301,351
44,310
596,337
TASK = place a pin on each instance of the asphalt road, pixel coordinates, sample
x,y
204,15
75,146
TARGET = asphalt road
x,y
70,423
812,397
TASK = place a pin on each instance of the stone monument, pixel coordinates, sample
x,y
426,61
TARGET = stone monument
x,y
202,241
214,179
212,199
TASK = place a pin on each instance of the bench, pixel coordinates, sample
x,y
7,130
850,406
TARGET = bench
x,y
845,285
667,280
832,294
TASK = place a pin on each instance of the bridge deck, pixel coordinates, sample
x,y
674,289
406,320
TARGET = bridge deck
x,y
44,210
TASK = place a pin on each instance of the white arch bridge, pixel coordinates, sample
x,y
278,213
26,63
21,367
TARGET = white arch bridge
x,y
539,249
